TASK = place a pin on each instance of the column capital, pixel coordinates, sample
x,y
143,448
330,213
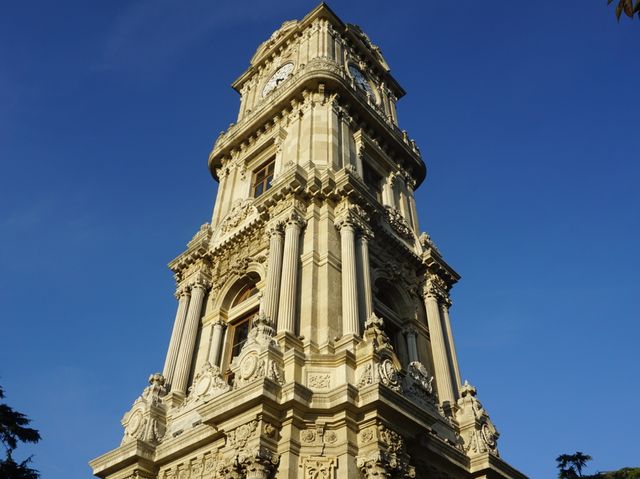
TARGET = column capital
x,y
200,281
410,331
294,219
365,233
182,290
275,228
436,287
219,322
345,222
349,213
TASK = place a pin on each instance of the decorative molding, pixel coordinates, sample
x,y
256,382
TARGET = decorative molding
x,y
398,223
374,333
207,384
389,375
146,421
388,458
436,287
427,243
240,212
318,467
418,385
319,380
477,432
260,356
238,437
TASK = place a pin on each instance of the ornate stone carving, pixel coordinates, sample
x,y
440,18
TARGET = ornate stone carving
x,y
389,459
427,243
307,436
269,430
377,465
375,334
398,223
385,366
207,384
477,432
367,435
146,420
330,437
138,474
318,467
201,237
389,374
195,470
241,211
436,287
418,383
259,463
366,377
324,64
348,214
262,333
260,355
238,437
319,380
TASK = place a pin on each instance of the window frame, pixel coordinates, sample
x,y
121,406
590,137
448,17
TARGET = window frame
x,y
268,169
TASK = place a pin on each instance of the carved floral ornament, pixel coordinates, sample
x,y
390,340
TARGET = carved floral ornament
x,y
352,216
241,211
388,459
436,287
397,222
258,463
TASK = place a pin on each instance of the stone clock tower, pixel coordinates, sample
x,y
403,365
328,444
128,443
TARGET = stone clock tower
x,y
312,337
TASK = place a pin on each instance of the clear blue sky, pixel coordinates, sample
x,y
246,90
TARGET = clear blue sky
x,y
527,114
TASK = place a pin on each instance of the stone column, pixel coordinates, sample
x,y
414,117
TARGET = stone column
x,y
365,273
438,348
349,276
412,344
183,295
444,310
289,284
216,342
274,273
188,341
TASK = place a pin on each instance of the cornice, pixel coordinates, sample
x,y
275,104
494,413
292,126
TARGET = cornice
x,y
322,11
134,452
438,266
332,75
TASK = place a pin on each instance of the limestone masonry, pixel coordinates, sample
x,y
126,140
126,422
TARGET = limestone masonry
x,y
312,336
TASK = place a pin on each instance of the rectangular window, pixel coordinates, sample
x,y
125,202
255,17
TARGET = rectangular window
x,y
240,335
262,178
373,180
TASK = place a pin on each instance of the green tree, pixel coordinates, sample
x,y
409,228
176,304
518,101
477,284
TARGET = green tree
x,y
13,429
627,7
570,465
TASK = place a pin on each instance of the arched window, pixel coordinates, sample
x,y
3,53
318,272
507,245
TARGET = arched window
x,y
245,293
242,309
388,306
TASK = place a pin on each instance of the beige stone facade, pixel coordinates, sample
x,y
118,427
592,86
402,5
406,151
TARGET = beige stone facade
x,y
312,337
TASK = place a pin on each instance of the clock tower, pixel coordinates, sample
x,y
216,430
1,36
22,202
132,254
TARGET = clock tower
x,y
312,337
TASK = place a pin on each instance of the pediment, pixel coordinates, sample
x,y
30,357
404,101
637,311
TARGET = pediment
x,y
264,46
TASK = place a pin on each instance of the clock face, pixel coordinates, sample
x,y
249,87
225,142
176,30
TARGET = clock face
x,y
278,77
361,81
